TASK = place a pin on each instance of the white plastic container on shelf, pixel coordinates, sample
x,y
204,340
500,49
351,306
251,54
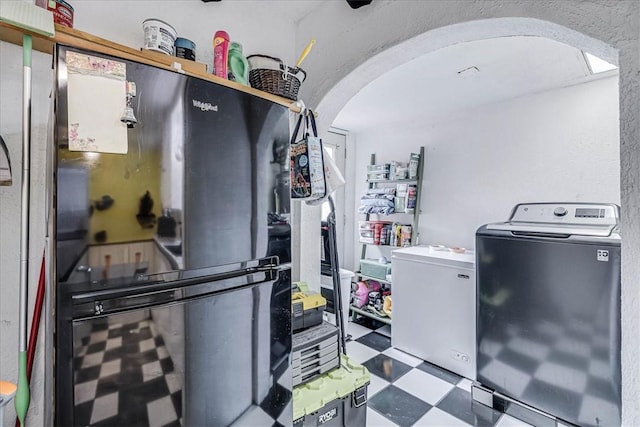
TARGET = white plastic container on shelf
x,y
326,283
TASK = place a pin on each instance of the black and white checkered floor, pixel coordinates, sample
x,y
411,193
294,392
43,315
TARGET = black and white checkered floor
x,y
406,391
125,377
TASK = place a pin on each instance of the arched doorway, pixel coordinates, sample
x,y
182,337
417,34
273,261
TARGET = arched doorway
x,y
430,41
366,62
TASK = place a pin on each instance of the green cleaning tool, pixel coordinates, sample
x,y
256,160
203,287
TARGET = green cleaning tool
x,y
32,18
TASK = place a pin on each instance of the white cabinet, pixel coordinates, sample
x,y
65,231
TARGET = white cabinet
x,y
434,307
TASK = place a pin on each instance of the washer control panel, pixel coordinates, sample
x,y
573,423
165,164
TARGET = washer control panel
x,y
566,213
562,219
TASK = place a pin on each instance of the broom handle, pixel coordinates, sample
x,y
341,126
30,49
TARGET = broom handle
x,y
22,395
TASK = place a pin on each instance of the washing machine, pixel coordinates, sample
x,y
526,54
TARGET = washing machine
x,y
434,306
549,312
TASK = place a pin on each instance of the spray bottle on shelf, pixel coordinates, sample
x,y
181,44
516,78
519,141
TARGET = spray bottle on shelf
x,y
220,53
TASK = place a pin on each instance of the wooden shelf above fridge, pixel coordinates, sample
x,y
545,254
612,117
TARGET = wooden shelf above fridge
x,y
82,40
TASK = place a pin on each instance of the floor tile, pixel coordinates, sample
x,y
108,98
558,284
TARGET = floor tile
x,y
110,368
465,384
369,323
599,369
386,367
424,386
113,383
147,344
161,412
385,330
529,348
360,352
594,409
174,382
104,407
565,402
97,337
509,421
518,380
162,352
399,406
82,413
85,391
96,347
437,418
151,370
562,376
519,361
459,404
114,343
376,384
87,374
115,325
603,389
92,359
375,341
403,357
374,419
99,326
439,372
177,402
356,330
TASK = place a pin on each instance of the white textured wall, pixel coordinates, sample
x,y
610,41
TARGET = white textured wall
x,y
362,44
259,27
560,145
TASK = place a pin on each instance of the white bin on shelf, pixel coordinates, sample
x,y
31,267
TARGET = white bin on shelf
x,y
326,283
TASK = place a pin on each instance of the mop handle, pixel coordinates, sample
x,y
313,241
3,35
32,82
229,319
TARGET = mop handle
x,y
22,398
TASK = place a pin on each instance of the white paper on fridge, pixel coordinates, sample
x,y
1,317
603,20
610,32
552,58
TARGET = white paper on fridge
x,y
96,96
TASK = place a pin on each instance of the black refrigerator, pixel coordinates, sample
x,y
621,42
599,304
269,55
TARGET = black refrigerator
x,y
173,292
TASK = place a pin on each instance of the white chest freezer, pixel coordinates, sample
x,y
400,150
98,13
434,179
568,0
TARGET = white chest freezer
x,y
434,307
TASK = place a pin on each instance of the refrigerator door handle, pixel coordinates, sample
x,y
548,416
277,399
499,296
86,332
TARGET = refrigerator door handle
x,y
106,302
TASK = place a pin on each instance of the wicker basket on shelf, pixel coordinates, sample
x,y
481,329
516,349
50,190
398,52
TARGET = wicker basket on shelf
x,y
274,76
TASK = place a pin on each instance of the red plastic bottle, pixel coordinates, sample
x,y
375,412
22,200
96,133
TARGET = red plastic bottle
x,y
220,53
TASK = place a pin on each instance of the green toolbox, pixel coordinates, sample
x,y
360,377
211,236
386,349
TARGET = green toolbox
x,y
337,398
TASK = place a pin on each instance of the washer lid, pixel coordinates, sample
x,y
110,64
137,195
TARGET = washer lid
x,y
585,219
440,257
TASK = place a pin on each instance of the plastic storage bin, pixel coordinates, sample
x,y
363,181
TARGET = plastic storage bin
x,y
371,232
373,268
378,172
337,398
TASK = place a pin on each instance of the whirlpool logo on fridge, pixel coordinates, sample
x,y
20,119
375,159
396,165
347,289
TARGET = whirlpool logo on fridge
x,y
204,106
602,255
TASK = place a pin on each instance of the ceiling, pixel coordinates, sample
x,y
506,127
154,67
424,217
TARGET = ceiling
x,y
465,76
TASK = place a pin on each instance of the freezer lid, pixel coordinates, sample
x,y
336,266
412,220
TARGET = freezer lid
x,y
583,219
446,257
